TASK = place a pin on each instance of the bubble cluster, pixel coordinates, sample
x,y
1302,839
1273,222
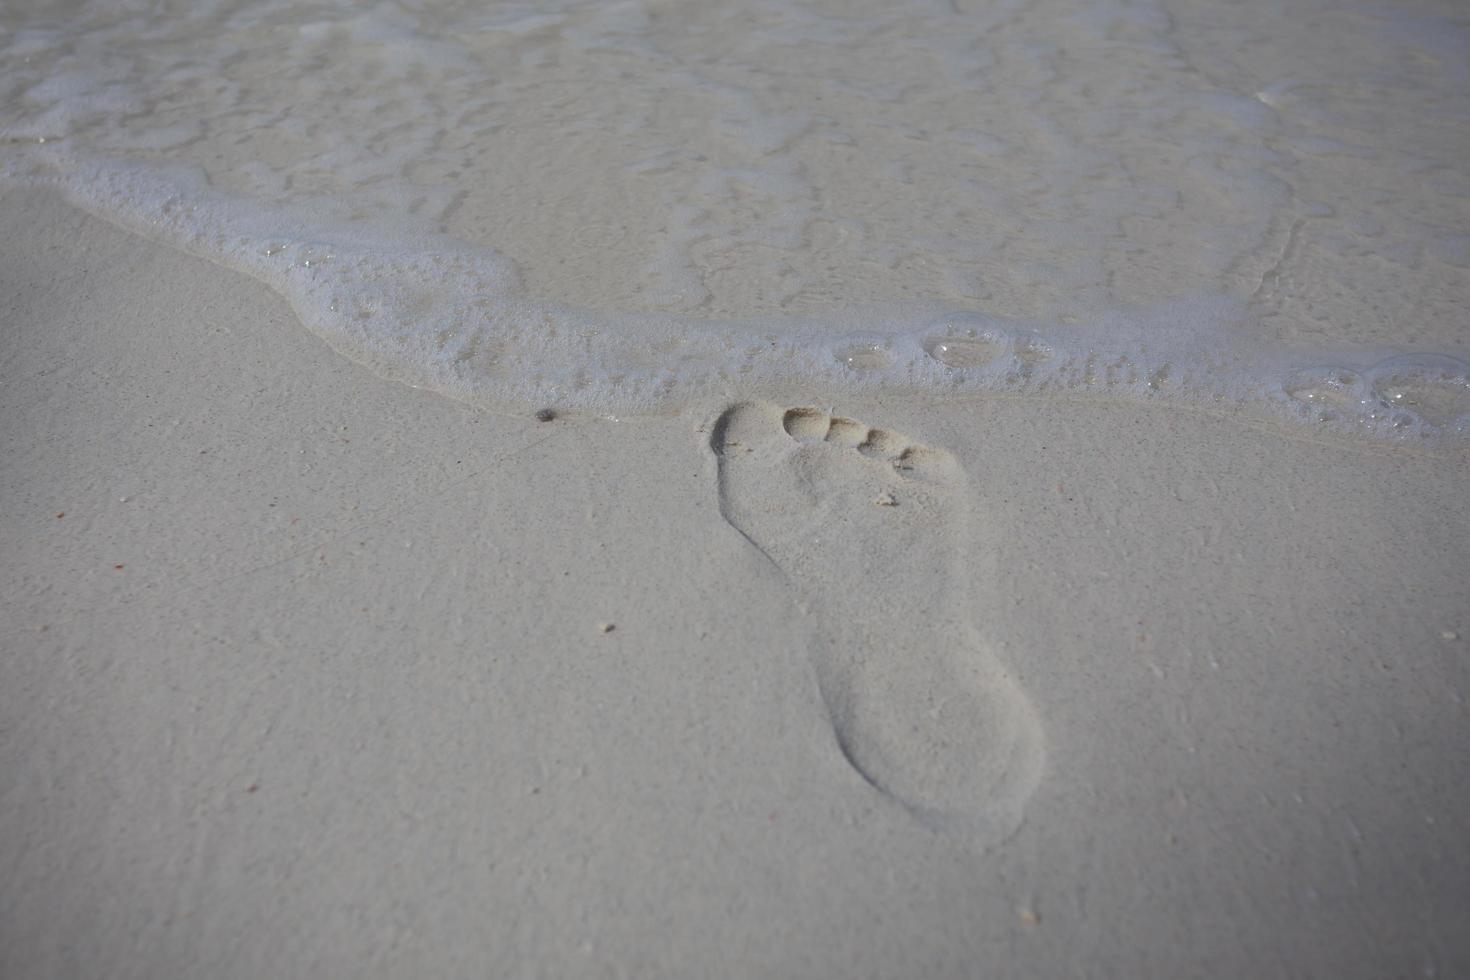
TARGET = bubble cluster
x,y
1421,394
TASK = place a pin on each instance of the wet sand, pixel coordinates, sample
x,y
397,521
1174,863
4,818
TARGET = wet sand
x,y
305,672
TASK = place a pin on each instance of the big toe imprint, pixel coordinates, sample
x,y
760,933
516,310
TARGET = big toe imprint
x,y
868,528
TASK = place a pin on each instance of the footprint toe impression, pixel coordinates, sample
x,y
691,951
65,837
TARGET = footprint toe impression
x,y
920,707
882,444
846,432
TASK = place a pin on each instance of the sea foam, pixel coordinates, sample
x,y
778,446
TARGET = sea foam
x,y
620,206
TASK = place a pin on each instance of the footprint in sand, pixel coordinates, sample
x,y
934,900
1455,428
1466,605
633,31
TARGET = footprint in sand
x,y
868,527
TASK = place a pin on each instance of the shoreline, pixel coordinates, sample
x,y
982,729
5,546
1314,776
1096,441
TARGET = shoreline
x,y
1192,353
310,676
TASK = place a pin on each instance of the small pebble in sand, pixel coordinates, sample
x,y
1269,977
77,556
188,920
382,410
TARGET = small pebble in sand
x,y
606,627
546,415
1028,917
1450,635
886,500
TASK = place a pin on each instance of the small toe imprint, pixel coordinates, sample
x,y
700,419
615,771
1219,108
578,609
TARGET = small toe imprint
x,y
925,463
881,444
846,432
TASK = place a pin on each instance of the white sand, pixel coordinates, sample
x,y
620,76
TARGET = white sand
x,y
309,679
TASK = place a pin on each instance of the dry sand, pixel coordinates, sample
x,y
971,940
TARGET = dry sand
x,y
306,673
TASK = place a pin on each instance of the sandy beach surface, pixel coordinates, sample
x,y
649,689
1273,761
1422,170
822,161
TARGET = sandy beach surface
x,y
307,673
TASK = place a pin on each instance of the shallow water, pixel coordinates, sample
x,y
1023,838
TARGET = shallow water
x,y
618,206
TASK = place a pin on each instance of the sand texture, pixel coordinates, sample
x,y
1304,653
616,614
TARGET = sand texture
x,y
308,673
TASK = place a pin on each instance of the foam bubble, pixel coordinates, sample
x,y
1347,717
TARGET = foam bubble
x,y
864,356
966,341
1328,392
1434,390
